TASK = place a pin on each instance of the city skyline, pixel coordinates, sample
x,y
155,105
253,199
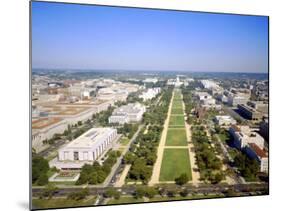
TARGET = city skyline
x,y
128,39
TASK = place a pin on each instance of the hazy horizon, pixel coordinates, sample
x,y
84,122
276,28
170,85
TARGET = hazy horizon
x,y
87,37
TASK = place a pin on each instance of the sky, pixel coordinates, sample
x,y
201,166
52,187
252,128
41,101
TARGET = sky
x,y
71,36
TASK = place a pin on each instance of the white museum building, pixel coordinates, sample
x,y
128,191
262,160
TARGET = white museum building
x,y
86,148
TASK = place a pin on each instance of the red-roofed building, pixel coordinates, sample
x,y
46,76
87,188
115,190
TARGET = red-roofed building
x,y
255,152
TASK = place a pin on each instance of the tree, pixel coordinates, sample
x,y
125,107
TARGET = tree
x,y
79,195
182,179
111,192
184,193
216,178
42,180
139,192
49,191
150,192
40,167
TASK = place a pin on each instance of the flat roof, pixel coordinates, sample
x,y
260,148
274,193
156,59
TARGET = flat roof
x,y
66,110
89,138
260,152
44,122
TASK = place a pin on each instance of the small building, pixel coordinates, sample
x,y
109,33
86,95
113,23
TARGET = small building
x,y
243,135
86,148
150,93
127,113
249,112
235,100
225,120
257,153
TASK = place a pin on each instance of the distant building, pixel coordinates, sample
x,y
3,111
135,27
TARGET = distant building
x,y
264,129
244,135
208,84
150,93
86,148
207,101
260,106
127,113
249,112
150,80
235,100
45,128
225,120
255,152
222,98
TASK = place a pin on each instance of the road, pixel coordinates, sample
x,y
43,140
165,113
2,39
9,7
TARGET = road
x,y
200,189
111,179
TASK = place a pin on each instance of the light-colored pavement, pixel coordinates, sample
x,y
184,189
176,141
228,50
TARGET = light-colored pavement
x,y
122,178
157,166
194,168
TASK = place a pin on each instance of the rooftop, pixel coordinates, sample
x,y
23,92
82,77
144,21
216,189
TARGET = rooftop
x,y
89,138
260,152
44,122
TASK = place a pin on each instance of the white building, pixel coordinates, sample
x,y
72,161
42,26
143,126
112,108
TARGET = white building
x,y
150,80
150,93
225,120
86,148
235,100
244,135
127,113
255,152
208,84
45,128
203,95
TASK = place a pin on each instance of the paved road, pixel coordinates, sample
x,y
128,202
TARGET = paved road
x,y
202,188
116,168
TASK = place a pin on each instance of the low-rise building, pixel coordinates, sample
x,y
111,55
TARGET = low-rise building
x,y
260,106
150,93
235,100
86,148
127,113
224,120
244,135
150,80
249,112
45,128
259,154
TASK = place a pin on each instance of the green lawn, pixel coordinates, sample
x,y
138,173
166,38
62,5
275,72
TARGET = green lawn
x,y
124,141
184,197
177,104
61,202
177,111
176,120
175,162
176,137
125,200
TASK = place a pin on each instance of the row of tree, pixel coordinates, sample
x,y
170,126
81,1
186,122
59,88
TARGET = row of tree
x,y
143,152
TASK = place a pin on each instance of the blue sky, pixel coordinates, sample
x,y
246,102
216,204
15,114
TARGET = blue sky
x,y
95,37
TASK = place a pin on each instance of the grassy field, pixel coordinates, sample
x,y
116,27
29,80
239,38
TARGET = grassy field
x,y
125,200
124,141
177,104
129,199
184,197
177,111
176,137
61,202
176,120
175,162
